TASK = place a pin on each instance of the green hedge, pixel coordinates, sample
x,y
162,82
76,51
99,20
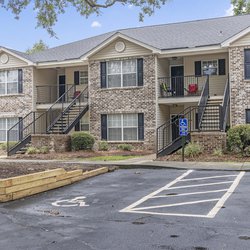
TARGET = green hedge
x,y
82,141
238,138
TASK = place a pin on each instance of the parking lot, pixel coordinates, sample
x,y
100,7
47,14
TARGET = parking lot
x,y
134,209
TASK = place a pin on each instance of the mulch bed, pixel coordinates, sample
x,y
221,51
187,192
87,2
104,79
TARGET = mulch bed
x,y
11,169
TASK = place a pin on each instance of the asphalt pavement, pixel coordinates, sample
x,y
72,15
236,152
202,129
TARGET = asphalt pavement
x,y
134,209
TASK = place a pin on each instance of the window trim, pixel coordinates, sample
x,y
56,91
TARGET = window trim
x,y
121,74
245,64
217,71
83,77
6,83
122,128
6,126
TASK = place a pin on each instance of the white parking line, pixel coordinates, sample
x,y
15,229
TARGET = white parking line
x,y
221,202
133,208
201,185
210,177
175,204
185,194
156,192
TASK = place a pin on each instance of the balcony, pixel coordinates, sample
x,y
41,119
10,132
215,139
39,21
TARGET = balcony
x,y
180,89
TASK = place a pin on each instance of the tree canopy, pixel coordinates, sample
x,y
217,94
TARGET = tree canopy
x,y
48,10
37,47
241,7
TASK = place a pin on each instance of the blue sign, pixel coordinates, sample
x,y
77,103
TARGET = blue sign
x,y
183,127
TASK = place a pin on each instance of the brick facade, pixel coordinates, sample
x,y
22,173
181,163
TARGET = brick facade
x,y
18,105
124,100
240,88
210,140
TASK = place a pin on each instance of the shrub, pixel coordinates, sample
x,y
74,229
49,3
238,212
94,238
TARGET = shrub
x,y
44,150
125,147
238,138
218,152
32,150
82,141
103,146
193,149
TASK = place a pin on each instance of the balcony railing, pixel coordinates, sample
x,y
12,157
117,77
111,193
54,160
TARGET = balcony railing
x,y
50,93
181,86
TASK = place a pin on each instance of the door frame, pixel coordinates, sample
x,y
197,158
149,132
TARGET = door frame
x,y
58,84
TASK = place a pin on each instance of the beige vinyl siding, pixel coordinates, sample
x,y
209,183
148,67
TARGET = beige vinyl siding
x,y
245,40
69,73
131,49
217,82
45,77
13,62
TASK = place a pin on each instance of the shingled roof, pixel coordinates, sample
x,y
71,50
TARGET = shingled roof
x,y
164,37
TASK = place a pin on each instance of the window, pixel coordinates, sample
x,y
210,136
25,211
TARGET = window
x,y
8,82
84,123
210,67
247,115
122,127
247,64
83,77
5,125
121,73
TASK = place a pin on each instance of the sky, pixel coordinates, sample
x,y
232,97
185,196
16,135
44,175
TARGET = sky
x,y
21,34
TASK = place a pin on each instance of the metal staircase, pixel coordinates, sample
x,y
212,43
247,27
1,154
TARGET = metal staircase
x,y
60,118
209,115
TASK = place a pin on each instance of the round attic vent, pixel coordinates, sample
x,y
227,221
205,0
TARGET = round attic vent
x,y
120,47
4,58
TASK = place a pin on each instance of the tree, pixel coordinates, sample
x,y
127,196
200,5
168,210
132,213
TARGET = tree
x,y
37,47
48,10
241,7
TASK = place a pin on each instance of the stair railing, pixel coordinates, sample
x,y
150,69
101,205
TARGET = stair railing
x,y
224,107
203,102
163,133
80,100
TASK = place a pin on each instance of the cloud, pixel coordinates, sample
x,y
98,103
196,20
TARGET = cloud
x,y
230,11
96,24
130,6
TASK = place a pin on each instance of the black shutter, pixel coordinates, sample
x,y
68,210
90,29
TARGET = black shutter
x,y
103,75
140,126
77,126
20,128
104,129
197,68
76,77
140,72
222,66
20,81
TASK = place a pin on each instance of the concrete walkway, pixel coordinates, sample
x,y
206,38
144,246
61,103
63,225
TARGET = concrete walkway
x,y
150,162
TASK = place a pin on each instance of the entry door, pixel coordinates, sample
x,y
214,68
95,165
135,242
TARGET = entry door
x,y
175,126
62,86
177,80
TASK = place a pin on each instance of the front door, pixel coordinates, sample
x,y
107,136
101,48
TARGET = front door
x,y
175,126
177,80
62,86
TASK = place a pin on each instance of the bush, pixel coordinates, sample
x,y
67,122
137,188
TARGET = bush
x,y
103,146
238,138
82,141
217,152
3,145
125,147
193,149
32,150
44,150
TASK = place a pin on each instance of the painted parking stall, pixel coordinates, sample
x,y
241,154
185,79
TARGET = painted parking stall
x,y
193,194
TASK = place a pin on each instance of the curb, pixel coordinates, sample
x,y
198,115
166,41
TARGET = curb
x,y
26,185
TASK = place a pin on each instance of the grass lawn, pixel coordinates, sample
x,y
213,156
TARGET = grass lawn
x,y
111,157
